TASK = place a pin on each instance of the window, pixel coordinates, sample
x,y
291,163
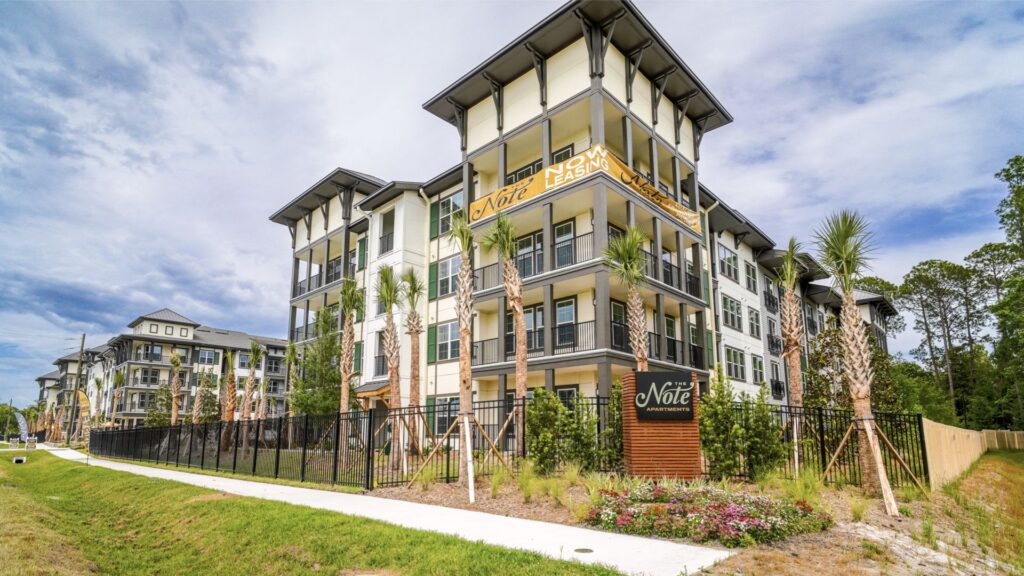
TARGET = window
x,y
564,246
735,364
732,313
169,330
530,254
387,233
182,355
274,365
183,332
446,410
561,155
153,329
447,273
565,323
755,322
773,329
776,371
620,330
567,394
728,263
206,357
243,360
448,341
533,317
757,368
670,327
615,232
751,276
449,206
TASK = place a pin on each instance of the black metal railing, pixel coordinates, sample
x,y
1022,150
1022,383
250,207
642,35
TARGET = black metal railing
x,y
530,263
674,350
771,302
574,250
387,243
380,365
653,345
650,265
619,334
153,357
697,358
534,344
670,274
485,352
693,285
487,277
778,389
774,344
569,338
334,270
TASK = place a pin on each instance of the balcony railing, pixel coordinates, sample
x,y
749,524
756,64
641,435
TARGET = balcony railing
x,y
140,356
380,366
778,389
299,334
653,345
693,285
487,277
670,274
697,359
620,337
530,263
534,345
569,338
774,345
674,353
650,265
308,285
387,243
334,270
138,381
485,352
771,302
574,250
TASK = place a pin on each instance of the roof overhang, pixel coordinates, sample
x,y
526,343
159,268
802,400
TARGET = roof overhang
x,y
562,28
387,193
822,294
810,270
725,217
325,189
445,180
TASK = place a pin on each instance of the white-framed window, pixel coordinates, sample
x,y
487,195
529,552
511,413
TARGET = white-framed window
x,y
755,322
448,207
243,360
567,394
447,275
757,368
448,341
446,410
728,263
207,356
732,313
776,371
751,276
735,364
565,322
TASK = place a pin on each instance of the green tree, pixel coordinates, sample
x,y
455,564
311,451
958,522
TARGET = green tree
x,y
158,413
825,384
578,436
721,432
763,447
1009,350
894,324
544,414
624,255
611,454
317,392
1011,208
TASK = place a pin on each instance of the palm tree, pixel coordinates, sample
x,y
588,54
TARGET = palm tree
x,y
175,387
261,408
291,357
625,258
792,334
502,238
255,356
197,404
98,383
389,294
844,245
118,384
350,300
462,235
413,292
229,401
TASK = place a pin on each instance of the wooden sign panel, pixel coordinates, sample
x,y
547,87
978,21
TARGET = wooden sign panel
x,y
667,445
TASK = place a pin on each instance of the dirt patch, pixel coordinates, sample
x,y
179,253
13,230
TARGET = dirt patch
x,y
507,502
211,497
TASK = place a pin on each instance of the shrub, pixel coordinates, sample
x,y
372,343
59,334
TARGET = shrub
x,y
703,514
720,431
858,506
543,415
610,450
763,446
578,436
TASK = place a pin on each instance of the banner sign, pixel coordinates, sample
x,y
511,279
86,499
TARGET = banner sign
x,y
665,395
594,159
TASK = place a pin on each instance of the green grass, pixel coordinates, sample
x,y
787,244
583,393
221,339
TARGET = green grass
x,y
92,519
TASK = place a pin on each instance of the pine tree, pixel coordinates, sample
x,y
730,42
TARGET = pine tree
x,y
720,430
318,392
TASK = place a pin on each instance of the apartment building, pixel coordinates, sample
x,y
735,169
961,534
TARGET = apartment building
x,y
143,356
49,388
583,126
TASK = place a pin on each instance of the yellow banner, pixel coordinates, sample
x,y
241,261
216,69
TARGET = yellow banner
x,y
594,159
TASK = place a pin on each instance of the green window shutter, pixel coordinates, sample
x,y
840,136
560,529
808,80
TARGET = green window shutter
x,y
195,356
709,350
431,416
707,286
216,358
432,281
431,344
435,218
359,310
357,359
803,362
361,260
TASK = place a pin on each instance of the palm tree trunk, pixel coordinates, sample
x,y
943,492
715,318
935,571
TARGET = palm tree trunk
x,y
414,330
395,396
637,328
514,294
792,334
464,304
250,390
197,405
175,399
344,405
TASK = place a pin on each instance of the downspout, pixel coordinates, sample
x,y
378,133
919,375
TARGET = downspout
x,y
713,271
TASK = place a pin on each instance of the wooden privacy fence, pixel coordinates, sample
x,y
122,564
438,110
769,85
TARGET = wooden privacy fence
x,y
951,450
1003,440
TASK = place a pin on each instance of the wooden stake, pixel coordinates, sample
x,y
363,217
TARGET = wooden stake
x,y
468,433
906,468
494,448
433,452
891,509
835,456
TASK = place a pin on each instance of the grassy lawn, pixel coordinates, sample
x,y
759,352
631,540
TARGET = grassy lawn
x,y
60,517
991,498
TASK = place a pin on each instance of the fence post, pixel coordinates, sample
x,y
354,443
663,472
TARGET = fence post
x,y
234,457
305,430
177,446
191,441
256,446
337,438
277,454
368,480
202,455
821,439
924,446
220,430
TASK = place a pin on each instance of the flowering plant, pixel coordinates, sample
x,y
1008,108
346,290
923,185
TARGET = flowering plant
x,y
702,514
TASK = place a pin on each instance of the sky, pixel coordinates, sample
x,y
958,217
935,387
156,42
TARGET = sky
x,y
144,145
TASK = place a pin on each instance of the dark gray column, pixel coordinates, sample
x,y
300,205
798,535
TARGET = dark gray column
x,y
630,213
684,334
468,189
596,114
600,222
549,379
346,246
549,320
604,379
681,261
545,142
548,244
305,321
627,139
502,163
325,259
602,310
502,312
698,268
677,185
656,223
291,323
652,148
295,276
502,387
691,190
659,324
309,267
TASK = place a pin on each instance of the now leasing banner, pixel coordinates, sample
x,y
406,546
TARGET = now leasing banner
x,y
594,159
665,395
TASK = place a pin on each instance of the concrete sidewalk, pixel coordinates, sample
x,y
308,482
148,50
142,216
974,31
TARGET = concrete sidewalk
x,y
630,554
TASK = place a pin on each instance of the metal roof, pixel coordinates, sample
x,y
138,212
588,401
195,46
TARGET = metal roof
x,y
163,315
49,376
562,28
388,192
323,189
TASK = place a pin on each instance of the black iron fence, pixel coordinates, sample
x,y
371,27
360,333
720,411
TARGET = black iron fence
x,y
380,447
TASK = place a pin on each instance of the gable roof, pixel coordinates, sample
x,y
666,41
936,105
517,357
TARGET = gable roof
x,y
49,376
164,315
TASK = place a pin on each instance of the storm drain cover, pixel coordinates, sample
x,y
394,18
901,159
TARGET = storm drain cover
x,y
583,550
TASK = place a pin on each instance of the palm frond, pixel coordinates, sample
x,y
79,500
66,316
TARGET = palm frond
x,y
845,245
413,288
461,233
502,238
388,287
624,255
255,353
789,271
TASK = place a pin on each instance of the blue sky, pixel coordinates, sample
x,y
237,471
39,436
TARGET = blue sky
x,y
143,145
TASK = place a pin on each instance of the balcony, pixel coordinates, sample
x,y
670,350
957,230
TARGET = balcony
x,y
670,275
485,352
674,353
569,338
693,285
771,302
574,250
778,389
697,359
307,285
650,265
387,243
137,381
380,366
774,345
334,271
299,334
151,357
